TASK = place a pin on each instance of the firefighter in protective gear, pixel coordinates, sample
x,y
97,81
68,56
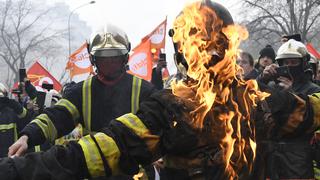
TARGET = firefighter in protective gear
x,y
164,126
286,145
12,120
95,101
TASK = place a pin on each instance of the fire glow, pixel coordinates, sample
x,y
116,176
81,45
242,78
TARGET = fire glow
x,y
213,80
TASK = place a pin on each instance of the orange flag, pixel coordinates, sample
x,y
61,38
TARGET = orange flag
x,y
79,62
157,37
140,62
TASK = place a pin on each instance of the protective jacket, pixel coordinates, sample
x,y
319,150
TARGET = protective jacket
x,y
162,126
10,124
285,140
90,103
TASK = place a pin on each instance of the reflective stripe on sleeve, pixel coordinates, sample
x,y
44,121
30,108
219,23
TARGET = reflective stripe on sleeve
x,y
23,114
86,103
37,148
135,94
47,127
136,125
315,103
110,151
10,126
93,157
70,107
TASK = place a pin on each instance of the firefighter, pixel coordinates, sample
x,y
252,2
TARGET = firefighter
x,y
12,116
95,101
287,148
164,126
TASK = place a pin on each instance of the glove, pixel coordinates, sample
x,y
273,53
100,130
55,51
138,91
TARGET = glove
x,y
16,106
181,137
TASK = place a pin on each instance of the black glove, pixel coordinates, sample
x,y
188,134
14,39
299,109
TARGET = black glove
x,y
181,138
16,106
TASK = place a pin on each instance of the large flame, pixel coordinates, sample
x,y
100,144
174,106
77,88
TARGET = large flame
x,y
212,80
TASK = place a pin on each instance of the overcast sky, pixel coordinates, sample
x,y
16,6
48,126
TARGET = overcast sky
x,y
137,17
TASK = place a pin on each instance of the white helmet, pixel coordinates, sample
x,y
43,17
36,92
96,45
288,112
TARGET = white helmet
x,y
109,41
3,90
292,49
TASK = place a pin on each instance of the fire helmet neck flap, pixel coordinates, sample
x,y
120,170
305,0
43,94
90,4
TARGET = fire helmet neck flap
x,y
221,13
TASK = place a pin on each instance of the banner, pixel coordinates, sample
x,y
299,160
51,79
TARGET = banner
x,y
157,37
140,62
39,75
79,64
313,51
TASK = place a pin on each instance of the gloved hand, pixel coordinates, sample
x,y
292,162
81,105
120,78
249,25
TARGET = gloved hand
x,y
181,137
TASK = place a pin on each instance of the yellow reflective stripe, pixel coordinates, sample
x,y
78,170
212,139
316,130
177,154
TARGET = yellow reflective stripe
x,y
10,126
70,107
37,148
47,127
136,125
315,103
92,156
7,126
135,94
86,103
110,151
23,114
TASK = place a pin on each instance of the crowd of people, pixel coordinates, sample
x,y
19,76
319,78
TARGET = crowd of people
x,y
133,128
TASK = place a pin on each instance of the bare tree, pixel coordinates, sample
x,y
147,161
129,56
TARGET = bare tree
x,y
267,21
23,34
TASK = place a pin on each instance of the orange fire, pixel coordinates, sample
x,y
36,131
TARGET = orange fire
x,y
215,82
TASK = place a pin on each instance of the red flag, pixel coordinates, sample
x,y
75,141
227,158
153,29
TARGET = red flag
x,y
313,51
39,75
79,62
140,62
157,37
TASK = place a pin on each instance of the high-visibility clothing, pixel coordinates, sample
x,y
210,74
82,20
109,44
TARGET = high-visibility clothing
x,y
90,103
160,127
10,124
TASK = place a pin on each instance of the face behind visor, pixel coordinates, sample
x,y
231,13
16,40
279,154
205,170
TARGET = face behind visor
x,y
109,48
294,54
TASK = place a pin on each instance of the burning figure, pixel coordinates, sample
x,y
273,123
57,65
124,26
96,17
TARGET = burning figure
x,y
207,43
203,125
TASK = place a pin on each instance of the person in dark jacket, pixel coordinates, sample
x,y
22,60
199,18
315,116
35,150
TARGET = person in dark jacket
x,y
267,57
246,62
286,147
213,146
12,120
95,101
